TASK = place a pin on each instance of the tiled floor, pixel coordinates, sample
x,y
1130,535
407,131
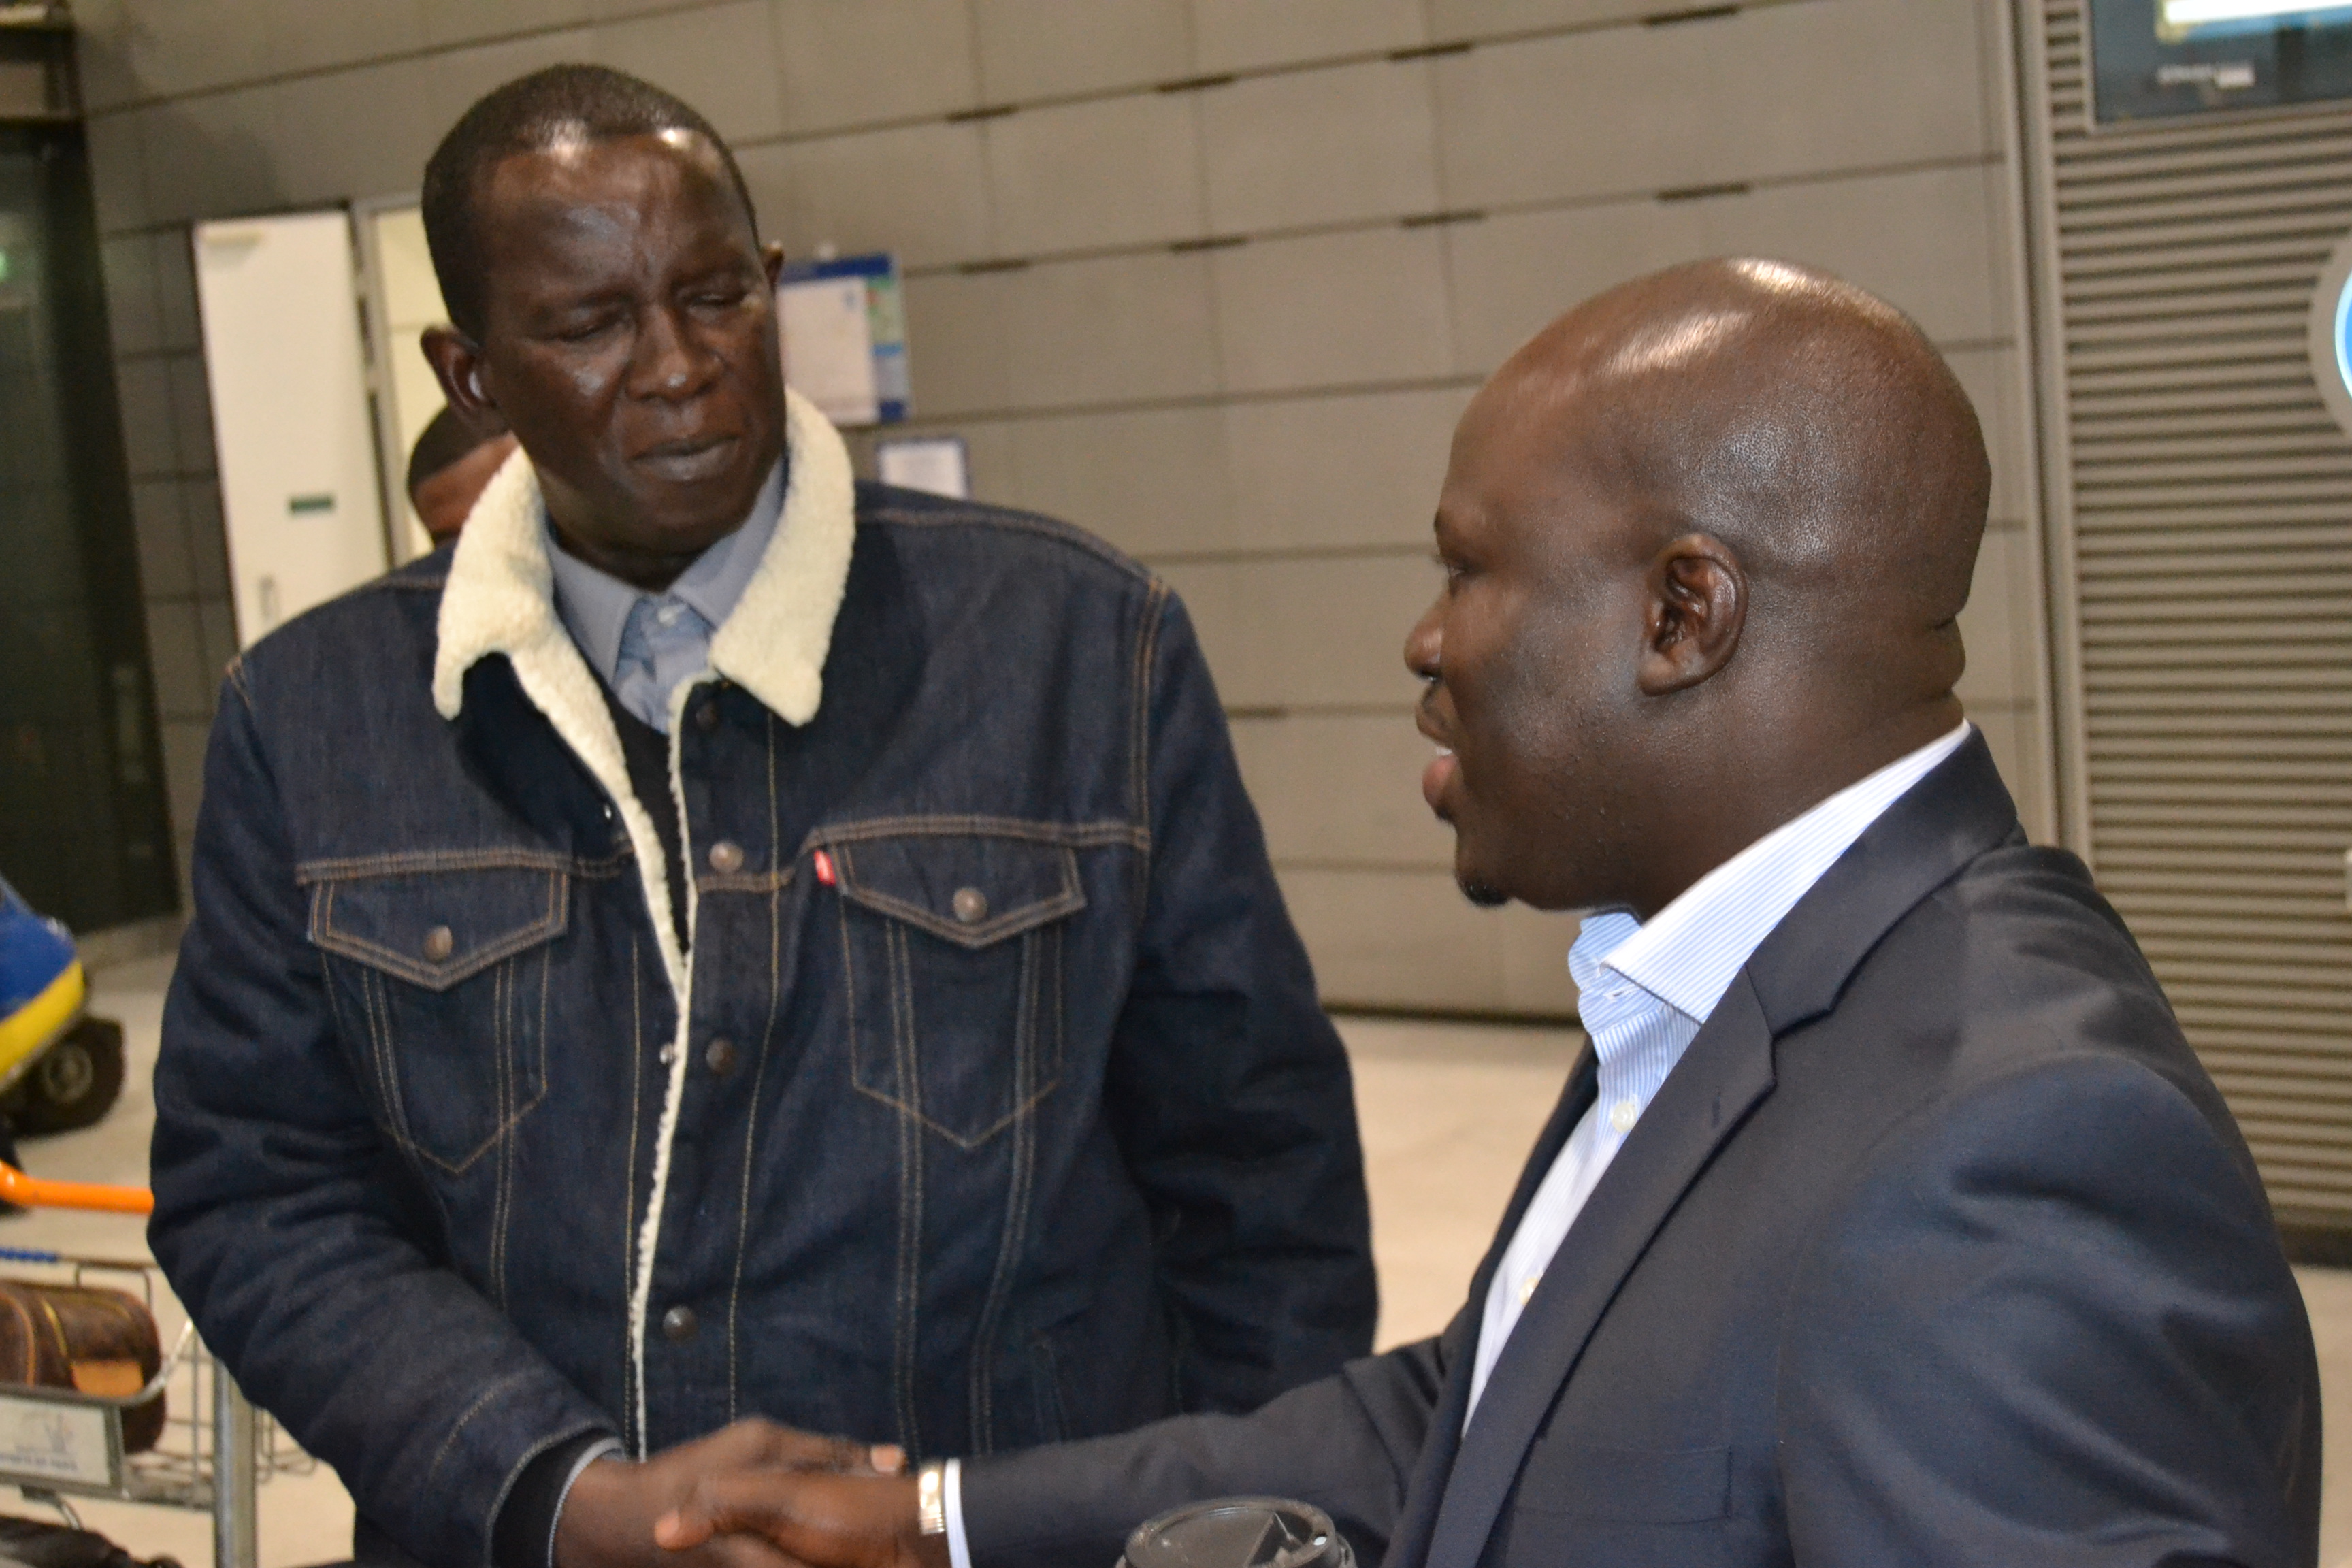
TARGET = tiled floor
x,y
1448,1113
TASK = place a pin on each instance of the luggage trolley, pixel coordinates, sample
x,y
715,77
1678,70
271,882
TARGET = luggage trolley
x,y
57,1443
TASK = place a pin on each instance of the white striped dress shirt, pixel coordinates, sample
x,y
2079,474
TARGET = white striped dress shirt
x,y
1643,990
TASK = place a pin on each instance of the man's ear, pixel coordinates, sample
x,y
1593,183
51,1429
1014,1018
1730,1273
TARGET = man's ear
x,y
1697,608
771,257
456,362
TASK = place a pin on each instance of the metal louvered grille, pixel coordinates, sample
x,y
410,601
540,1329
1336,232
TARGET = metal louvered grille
x,y
2212,552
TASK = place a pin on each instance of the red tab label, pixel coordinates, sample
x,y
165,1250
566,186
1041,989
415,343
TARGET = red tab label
x,y
825,872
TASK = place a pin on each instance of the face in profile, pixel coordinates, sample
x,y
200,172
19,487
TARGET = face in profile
x,y
629,341
1528,658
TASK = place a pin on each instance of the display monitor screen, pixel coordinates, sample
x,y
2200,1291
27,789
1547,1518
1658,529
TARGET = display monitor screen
x,y
2154,58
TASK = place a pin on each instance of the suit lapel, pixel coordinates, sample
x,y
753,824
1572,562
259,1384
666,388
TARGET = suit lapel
x,y
1957,813
1728,1069
1409,1545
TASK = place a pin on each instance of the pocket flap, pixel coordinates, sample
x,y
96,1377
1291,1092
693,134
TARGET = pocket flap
x,y
1627,1486
973,889
435,928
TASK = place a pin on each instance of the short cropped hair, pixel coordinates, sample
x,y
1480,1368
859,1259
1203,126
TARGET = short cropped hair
x,y
530,114
446,439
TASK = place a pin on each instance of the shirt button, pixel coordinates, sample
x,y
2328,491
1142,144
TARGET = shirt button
x,y
1623,1115
1528,1288
439,944
970,906
678,1325
668,614
720,1057
725,856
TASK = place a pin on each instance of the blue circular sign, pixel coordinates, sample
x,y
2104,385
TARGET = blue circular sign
x,y
2331,335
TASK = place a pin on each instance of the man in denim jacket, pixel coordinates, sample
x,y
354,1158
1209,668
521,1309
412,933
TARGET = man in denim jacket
x,y
725,941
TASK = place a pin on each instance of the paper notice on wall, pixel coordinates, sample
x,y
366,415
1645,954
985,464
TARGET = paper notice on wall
x,y
938,465
829,347
844,332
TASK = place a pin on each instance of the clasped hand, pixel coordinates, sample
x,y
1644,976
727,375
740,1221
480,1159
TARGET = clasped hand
x,y
755,1495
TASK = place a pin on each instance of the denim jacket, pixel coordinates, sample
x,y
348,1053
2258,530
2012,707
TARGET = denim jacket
x,y
987,1101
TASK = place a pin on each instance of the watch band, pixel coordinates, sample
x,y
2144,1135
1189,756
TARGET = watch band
x,y
930,1498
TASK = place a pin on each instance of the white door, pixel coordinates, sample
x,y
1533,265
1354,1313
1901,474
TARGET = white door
x,y
291,421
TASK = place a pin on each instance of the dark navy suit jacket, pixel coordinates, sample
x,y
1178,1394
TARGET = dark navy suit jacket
x,y
1938,1246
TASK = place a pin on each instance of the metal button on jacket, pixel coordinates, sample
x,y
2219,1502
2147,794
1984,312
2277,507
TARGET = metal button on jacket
x,y
678,1324
439,944
670,1053
706,716
970,906
725,856
720,1057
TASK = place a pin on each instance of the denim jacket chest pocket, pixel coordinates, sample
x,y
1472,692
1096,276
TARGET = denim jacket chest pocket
x,y
444,975
953,943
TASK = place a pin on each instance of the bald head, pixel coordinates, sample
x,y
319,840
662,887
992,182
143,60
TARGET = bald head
x,y
1806,423
1708,536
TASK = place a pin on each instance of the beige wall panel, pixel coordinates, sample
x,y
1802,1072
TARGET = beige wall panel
x,y
301,142
1486,18
857,62
1343,788
1996,627
118,165
165,568
448,22
920,191
132,315
1357,469
1772,90
1408,939
1992,377
1152,482
1320,146
1126,328
1333,311
1084,176
1921,240
1237,34
1282,634
720,59
1030,48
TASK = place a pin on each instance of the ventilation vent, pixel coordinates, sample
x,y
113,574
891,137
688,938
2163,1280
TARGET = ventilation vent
x,y
2211,500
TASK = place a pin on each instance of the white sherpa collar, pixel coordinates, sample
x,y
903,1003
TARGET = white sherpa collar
x,y
500,597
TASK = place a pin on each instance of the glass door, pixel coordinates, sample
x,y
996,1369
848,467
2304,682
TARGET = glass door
x,y
84,831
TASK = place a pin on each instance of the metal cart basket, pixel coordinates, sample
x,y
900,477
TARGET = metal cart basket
x,y
56,1444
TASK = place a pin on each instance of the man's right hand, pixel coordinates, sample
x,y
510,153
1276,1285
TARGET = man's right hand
x,y
608,1520
822,1521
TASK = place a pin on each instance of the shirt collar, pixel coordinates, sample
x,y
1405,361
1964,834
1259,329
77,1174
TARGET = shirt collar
x,y
1688,954
595,606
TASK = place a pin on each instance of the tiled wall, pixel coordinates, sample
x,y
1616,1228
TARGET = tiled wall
x,y
1211,277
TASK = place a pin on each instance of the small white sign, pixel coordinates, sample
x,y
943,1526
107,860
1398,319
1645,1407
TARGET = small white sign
x,y
829,348
46,1441
937,465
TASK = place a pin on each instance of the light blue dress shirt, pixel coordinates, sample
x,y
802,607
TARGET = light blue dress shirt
x,y
1643,990
646,645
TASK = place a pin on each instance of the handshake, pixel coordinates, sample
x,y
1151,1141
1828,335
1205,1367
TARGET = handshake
x,y
754,1495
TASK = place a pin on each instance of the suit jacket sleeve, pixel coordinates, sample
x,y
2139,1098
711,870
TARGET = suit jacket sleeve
x,y
2023,1343
1348,1444
288,1225
1227,1087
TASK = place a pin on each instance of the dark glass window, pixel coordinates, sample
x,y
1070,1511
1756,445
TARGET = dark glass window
x,y
2154,58
83,830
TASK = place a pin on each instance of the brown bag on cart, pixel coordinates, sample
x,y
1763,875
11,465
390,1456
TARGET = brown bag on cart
x,y
86,1339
